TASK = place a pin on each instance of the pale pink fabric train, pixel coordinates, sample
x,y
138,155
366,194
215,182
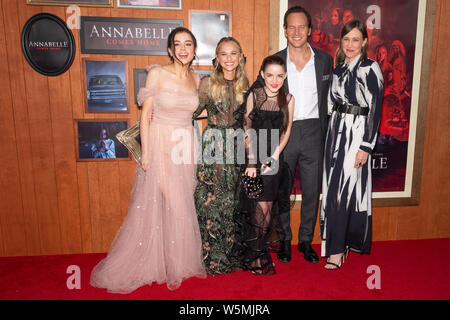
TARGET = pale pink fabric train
x,y
159,241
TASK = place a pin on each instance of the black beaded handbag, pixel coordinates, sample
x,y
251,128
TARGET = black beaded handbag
x,y
253,187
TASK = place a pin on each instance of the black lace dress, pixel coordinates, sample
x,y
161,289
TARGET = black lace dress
x,y
265,118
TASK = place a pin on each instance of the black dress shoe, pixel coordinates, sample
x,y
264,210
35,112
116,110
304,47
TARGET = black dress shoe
x,y
308,252
284,253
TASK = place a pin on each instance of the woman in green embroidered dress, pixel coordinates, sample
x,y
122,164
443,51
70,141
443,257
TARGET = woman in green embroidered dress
x,y
222,96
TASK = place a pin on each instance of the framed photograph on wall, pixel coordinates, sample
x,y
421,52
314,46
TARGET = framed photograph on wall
x,y
208,27
87,3
400,40
106,85
139,77
136,36
96,140
150,4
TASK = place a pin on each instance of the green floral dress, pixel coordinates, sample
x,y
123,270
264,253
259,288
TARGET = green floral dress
x,y
218,179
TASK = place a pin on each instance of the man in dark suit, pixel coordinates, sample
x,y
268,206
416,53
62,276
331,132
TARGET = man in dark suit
x,y
308,80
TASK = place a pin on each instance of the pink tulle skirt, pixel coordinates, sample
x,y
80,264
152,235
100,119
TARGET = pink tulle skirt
x,y
159,241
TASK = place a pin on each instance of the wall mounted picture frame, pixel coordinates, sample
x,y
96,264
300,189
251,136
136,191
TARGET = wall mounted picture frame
x,y
139,78
150,4
48,44
396,170
134,36
105,83
209,27
96,139
83,3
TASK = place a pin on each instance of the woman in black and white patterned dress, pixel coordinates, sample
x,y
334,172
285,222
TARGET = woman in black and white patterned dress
x,y
355,99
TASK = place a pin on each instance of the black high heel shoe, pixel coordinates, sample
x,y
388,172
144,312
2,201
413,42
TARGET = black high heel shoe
x,y
341,261
336,266
263,270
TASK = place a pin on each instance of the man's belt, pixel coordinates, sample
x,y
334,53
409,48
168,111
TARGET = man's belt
x,y
349,108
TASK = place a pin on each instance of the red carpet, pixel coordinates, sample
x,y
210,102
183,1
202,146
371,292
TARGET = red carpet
x,y
409,270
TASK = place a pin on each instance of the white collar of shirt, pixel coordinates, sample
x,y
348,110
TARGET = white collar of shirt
x,y
303,86
289,62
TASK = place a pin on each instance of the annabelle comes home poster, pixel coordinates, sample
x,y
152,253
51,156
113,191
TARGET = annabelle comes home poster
x,y
136,36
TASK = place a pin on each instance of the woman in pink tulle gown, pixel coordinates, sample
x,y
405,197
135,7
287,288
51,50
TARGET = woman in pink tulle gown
x,y
159,241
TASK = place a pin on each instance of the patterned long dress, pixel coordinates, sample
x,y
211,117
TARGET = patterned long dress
x,y
218,179
346,211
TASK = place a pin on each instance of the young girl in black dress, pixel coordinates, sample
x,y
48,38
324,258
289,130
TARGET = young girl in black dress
x,y
268,122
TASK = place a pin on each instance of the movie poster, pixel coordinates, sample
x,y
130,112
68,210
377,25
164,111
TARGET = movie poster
x,y
392,26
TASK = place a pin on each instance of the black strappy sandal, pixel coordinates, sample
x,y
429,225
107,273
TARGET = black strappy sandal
x,y
337,266
266,271
341,262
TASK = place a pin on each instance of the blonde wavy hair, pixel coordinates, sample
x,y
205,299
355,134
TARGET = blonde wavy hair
x,y
218,87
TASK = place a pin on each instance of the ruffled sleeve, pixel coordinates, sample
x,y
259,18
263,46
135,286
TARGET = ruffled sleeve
x,y
149,91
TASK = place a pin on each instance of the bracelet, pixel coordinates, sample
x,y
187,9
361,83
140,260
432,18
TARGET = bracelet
x,y
270,162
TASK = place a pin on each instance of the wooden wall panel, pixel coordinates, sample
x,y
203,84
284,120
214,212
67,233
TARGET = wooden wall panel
x,y
21,123
52,204
11,214
198,5
436,176
42,149
261,34
243,19
64,152
94,207
84,207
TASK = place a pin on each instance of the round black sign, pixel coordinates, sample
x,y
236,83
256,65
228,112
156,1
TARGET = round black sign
x,y
48,45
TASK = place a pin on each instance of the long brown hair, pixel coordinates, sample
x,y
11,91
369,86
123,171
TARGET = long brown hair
x,y
354,24
281,99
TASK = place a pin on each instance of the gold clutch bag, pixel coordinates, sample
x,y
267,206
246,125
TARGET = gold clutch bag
x,y
131,139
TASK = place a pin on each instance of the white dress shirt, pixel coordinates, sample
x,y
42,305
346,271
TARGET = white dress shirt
x,y
303,86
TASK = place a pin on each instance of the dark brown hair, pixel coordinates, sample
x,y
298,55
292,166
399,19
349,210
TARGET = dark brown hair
x,y
282,101
297,9
171,42
354,24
